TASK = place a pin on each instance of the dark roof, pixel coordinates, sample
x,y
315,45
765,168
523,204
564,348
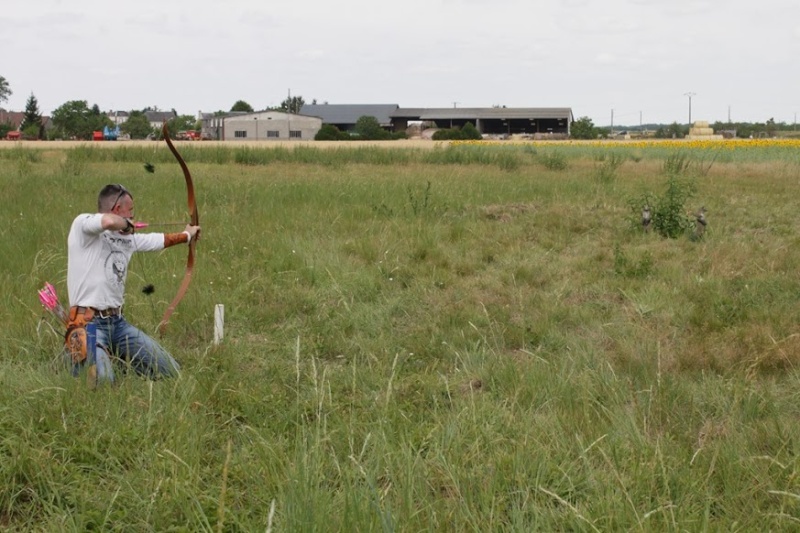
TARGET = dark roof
x,y
350,113
15,118
159,116
484,113
12,117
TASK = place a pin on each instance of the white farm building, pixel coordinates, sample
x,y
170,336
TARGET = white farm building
x,y
262,126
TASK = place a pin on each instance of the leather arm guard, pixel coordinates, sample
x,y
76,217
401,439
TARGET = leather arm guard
x,y
171,239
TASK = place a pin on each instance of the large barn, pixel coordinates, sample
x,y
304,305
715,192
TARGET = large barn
x,y
488,120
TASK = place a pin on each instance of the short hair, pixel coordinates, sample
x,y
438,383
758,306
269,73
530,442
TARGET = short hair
x,y
109,197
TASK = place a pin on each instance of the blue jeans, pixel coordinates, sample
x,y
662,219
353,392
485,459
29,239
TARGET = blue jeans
x,y
116,339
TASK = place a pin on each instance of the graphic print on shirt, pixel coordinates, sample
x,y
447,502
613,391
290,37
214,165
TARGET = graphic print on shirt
x,y
116,262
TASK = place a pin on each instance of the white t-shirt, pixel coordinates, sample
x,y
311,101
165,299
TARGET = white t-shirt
x,y
97,263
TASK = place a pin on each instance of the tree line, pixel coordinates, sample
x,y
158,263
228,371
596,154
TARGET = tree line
x,y
76,119
584,128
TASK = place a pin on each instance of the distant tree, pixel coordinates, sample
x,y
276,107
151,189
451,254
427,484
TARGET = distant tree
x,y
241,105
5,90
137,125
180,123
32,119
583,128
369,129
770,127
292,104
675,131
76,119
329,132
745,130
470,132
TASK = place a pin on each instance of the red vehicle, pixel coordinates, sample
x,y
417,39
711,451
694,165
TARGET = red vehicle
x,y
97,136
189,135
13,136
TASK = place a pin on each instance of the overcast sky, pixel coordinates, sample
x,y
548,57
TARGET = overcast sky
x,y
634,57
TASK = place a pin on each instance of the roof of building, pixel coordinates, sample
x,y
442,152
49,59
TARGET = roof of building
x,y
484,113
350,113
159,116
15,118
11,117
269,113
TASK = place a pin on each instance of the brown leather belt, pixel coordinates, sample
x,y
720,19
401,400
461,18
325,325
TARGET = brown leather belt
x,y
90,312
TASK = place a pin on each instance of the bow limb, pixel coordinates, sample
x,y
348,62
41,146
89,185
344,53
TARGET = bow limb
x,y
195,221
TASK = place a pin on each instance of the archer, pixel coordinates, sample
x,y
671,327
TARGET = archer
x,y
100,247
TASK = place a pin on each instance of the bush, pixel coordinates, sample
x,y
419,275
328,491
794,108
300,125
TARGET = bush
x,y
329,132
606,166
470,132
449,134
668,212
369,129
553,160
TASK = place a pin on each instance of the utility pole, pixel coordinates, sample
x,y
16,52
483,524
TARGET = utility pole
x,y
729,114
612,121
640,121
690,106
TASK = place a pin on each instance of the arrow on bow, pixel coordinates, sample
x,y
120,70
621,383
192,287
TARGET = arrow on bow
x,y
195,221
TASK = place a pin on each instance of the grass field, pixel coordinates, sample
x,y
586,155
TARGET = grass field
x,y
451,338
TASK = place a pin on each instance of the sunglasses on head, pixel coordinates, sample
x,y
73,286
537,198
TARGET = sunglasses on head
x,y
122,191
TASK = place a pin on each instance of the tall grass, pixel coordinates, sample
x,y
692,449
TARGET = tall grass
x,y
441,342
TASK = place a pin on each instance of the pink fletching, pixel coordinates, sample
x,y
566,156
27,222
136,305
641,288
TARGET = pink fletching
x,y
51,290
48,297
139,225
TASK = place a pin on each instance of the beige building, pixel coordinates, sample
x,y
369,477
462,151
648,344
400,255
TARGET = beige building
x,y
269,126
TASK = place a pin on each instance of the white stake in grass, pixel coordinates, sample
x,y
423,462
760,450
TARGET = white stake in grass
x,y
219,323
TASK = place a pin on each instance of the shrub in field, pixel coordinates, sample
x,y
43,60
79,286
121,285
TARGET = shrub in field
x,y
419,202
668,211
606,166
676,164
553,160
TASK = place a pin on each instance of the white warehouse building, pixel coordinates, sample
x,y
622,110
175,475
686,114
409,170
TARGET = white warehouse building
x,y
265,125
